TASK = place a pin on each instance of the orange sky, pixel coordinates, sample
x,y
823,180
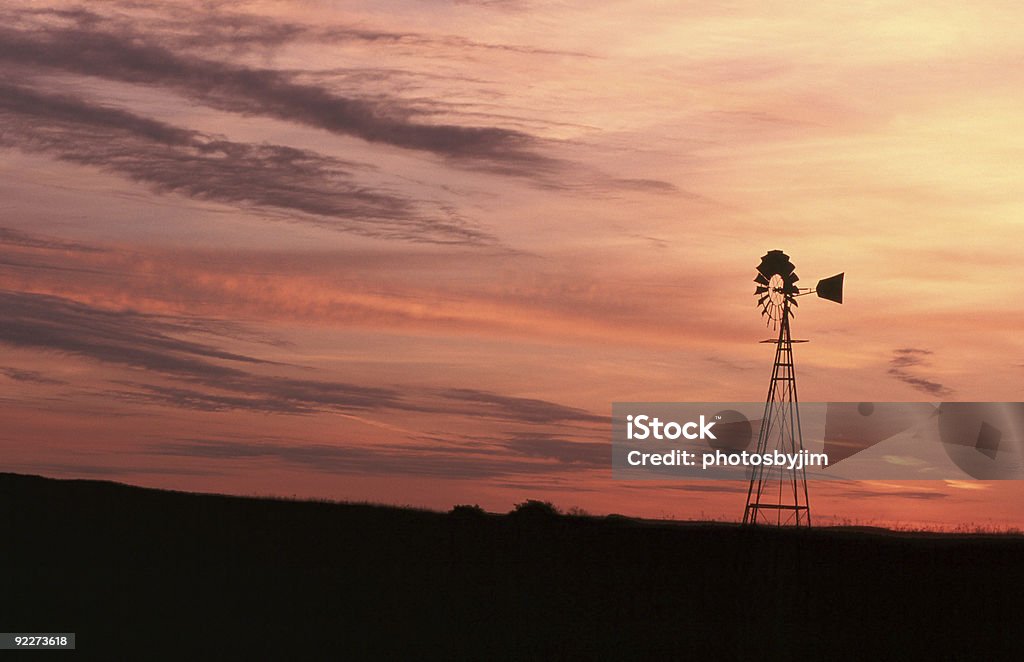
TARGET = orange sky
x,y
412,252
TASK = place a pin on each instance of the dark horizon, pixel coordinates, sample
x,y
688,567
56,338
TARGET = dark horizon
x,y
129,570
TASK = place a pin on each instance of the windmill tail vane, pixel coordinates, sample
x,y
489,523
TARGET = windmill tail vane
x,y
776,494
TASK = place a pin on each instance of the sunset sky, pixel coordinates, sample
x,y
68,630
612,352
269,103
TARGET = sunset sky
x,y
411,251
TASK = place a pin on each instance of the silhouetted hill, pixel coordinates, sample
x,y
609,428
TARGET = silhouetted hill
x,y
141,573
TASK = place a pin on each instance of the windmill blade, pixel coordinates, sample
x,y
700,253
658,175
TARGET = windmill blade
x,y
776,262
761,279
761,301
760,289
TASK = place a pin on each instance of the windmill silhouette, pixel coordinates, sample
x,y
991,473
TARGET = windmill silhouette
x,y
778,494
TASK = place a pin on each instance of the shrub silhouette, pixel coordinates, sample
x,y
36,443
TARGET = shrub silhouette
x,y
534,508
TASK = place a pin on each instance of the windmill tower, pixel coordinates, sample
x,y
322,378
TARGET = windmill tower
x,y
777,494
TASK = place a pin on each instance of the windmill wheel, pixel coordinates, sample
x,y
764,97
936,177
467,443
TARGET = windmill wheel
x,y
776,287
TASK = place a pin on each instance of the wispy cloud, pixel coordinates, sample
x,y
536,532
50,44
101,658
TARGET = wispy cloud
x,y
545,446
431,289
918,495
974,485
905,361
28,376
170,159
119,337
272,93
207,378
192,58
353,458
221,28
13,237
522,409
873,489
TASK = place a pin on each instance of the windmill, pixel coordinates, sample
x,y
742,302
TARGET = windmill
x,y
778,494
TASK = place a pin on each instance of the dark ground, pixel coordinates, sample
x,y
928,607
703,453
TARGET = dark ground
x,y
141,574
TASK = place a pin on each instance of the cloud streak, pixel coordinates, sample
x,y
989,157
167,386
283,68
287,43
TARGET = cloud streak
x,y
175,52
411,289
216,29
13,237
901,365
29,376
248,91
209,379
301,183
463,462
119,337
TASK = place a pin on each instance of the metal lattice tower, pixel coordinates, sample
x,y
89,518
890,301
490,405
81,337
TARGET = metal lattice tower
x,y
778,494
